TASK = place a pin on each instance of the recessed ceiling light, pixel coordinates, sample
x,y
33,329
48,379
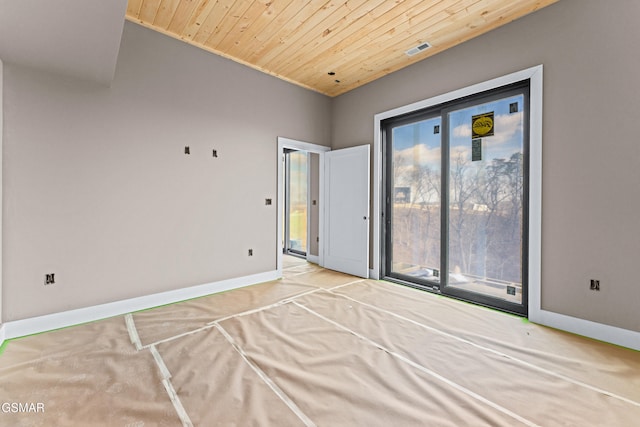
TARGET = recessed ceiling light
x,y
418,49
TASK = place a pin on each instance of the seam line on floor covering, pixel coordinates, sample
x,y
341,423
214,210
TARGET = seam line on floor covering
x,y
265,307
302,264
133,332
496,352
174,337
345,285
166,376
160,362
423,369
273,386
243,313
299,273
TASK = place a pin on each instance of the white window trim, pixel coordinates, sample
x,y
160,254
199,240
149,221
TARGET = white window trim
x,y
534,74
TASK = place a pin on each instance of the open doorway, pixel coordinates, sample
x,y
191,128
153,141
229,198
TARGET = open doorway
x,y
298,231
299,200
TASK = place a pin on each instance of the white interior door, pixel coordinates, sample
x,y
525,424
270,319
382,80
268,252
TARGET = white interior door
x,y
346,229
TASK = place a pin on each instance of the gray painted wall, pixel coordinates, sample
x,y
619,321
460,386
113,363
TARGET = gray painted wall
x,y
591,155
98,190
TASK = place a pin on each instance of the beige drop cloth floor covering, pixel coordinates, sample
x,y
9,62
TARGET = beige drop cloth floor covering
x,y
318,348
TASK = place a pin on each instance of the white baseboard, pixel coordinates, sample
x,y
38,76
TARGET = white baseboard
x,y
19,328
587,328
34,325
313,258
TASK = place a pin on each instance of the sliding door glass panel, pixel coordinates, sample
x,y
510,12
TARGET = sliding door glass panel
x,y
298,178
413,200
486,193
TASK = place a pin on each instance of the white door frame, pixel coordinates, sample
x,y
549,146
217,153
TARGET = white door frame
x,y
287,143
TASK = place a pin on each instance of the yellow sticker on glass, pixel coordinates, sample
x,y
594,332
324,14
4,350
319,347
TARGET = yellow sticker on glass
x,y
482,125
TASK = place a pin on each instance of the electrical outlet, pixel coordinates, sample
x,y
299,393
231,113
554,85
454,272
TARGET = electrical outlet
x,y
595,285
187,150
49,279
215,153
250,252
267,202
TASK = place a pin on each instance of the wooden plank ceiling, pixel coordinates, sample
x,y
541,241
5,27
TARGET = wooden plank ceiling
x,y
330,46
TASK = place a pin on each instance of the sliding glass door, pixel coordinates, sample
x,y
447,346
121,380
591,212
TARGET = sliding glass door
x,y
455,193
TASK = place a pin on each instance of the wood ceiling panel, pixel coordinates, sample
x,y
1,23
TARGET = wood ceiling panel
x,y
391,50
199,17
182,15
448,33
278,36
165,13
328,33
239,17
362,19
388,42
149,10
246,27
301,41
265,28
313,26
133,8
211,20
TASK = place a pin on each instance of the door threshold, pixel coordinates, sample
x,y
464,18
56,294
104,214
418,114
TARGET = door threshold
x,y
436,290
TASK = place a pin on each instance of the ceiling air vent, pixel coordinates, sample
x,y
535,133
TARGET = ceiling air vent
x,y
418,49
